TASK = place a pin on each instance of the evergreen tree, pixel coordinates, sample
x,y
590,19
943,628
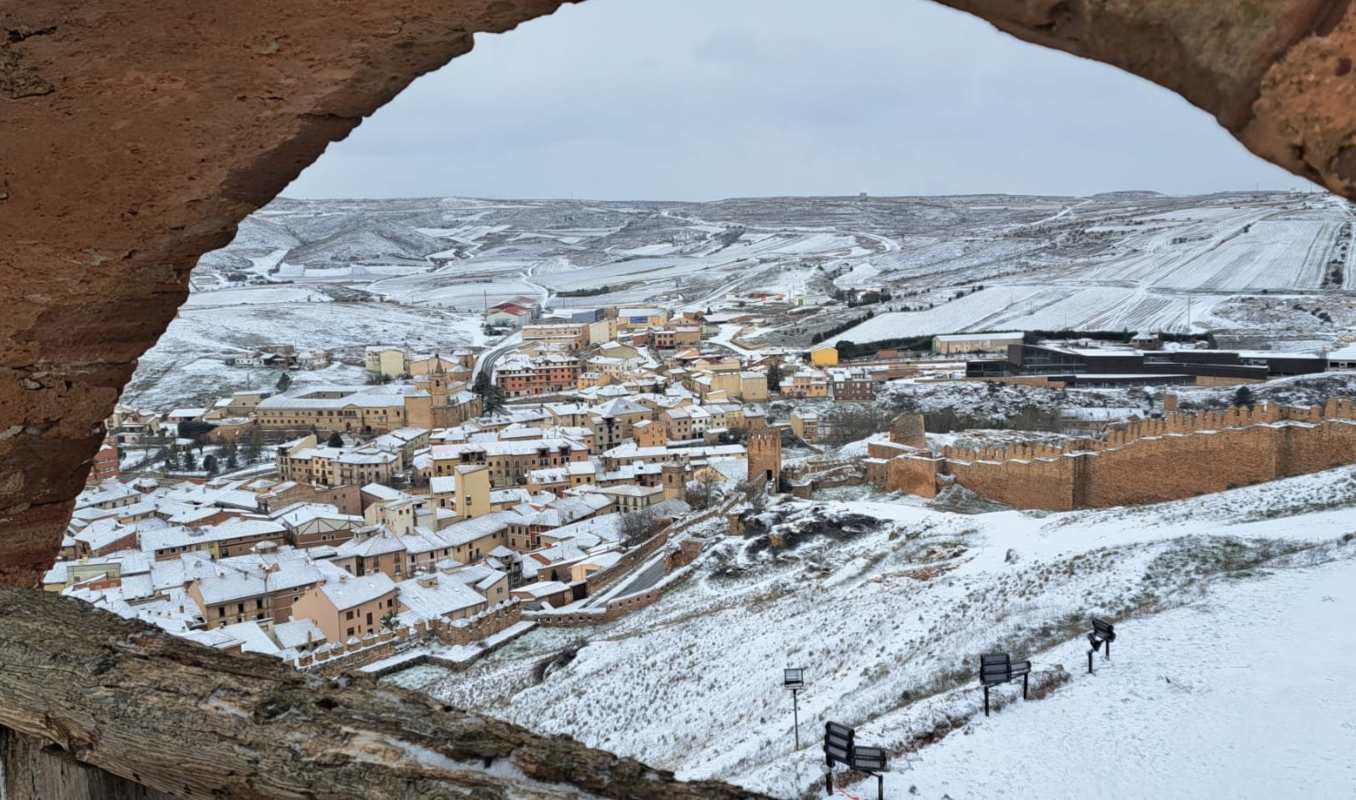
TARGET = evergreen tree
x,y
493,399
335,440
190,463
774,377
232,458
172,456
254,447
1244,397
209,463
284,382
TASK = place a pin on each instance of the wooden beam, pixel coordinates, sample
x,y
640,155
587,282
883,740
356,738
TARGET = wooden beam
x,y
189,721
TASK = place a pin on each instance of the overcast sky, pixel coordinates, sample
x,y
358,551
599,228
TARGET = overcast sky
x,y
704,99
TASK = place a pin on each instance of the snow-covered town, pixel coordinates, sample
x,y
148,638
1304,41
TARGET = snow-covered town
x,y
773,400
628,505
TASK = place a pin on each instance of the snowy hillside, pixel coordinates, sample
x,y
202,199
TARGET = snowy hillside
x,y
1237,695
1259,266
887,604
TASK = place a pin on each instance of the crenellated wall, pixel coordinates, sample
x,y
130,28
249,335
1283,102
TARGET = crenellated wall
x,y
1148,461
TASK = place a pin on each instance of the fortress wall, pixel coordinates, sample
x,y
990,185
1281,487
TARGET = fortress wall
x,y
1309,447
1147,461
1178,465
913,474
1041,483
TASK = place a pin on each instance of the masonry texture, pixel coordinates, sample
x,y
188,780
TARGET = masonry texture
x,y
1181,455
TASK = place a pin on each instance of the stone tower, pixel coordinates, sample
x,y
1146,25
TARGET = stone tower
x,y
907,429
674,481
765,457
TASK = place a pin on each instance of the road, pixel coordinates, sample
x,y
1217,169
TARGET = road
x,y
646,577
488,357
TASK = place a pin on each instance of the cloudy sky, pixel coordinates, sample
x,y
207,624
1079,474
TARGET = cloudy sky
x,y
703,99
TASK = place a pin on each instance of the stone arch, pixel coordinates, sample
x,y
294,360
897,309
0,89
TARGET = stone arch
x,y
136,135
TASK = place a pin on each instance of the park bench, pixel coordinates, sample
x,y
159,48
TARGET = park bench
x,y
999,668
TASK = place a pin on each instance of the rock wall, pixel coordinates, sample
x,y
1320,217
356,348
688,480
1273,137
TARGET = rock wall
x,y
1277,74
138,134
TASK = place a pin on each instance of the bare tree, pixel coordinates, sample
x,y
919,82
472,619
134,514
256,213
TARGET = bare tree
x,y
755,494
703,491
636,526
850,423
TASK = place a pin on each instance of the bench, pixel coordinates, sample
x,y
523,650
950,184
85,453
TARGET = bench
x,y
1102,632
999,668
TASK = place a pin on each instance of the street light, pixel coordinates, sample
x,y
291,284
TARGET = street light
x,y
794,679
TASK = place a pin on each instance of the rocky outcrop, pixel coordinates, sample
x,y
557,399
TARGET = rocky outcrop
x,y
1277,74
136,135
187,721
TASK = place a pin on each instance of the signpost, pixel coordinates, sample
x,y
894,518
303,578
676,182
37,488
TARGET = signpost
x,y
996,668
838,746
871,760
1102,631
794,679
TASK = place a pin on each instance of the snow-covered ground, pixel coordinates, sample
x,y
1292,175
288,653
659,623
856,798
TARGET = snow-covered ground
x,y
887,605
1243,693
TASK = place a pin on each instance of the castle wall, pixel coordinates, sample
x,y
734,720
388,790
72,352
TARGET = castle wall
x,y
1181,455
1177,465
916,475
1045,483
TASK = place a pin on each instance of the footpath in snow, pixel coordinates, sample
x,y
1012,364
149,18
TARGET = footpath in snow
x,y
1244,695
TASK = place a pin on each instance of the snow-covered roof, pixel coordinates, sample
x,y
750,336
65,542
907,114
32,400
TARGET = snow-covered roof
x,y
349,592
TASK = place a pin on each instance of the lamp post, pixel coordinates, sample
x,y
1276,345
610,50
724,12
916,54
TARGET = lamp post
x,y
794,679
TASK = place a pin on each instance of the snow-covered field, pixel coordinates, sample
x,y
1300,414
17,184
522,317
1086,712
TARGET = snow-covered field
x,y
887,605
1267,265
186,366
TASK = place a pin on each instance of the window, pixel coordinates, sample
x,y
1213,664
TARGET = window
x,y
369,619
350,632
348,614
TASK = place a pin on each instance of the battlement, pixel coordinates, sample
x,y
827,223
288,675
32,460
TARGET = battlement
x,y
1178,456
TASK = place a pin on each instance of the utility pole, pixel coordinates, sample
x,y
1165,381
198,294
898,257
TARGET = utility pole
x,y
795,715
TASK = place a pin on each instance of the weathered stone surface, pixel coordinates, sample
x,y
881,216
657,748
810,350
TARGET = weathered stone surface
x,y
189,721
135,135
1270,71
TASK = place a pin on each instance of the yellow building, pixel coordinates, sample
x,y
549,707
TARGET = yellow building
x,y
385,361
753,387
826,355
641,317
573,336
473,490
